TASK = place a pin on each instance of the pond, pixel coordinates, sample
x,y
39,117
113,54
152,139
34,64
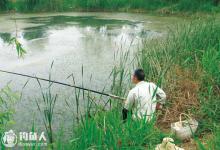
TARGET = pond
x,y
71,41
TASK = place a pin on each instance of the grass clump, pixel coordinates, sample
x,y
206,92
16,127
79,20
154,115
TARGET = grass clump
x,y
191,52
199,5
8,98
106,130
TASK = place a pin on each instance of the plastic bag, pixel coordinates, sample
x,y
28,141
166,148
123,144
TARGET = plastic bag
x,y
184,129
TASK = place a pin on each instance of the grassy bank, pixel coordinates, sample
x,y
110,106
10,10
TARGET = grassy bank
x,y
187,62
161,6
192,53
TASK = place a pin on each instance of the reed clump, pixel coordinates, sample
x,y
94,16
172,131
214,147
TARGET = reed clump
x,y
193,55
107,131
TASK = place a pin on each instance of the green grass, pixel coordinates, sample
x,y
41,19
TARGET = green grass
x,y
47,110
107,131
164,6
215,143
195,49
211,141
8,99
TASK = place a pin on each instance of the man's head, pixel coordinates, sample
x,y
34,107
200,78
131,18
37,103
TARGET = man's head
x,y
138,76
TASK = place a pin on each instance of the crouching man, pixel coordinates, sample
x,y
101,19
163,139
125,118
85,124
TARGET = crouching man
x,y
143,100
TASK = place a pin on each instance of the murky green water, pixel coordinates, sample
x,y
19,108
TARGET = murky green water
x,y
72,41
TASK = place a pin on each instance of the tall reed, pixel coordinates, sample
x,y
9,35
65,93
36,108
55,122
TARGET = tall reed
x,y
107,131
47,110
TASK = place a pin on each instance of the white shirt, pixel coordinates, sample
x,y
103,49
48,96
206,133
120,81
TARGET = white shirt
x,y
142,99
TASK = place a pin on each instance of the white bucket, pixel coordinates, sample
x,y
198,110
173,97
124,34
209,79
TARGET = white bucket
x,y
184,129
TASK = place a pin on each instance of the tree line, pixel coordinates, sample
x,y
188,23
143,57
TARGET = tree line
x,y
62,5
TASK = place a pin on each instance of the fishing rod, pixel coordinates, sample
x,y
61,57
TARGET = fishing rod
x,y
64,84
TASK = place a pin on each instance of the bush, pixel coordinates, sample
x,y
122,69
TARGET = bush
x,y
7,100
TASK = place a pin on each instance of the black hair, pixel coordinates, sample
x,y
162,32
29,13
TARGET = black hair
x,y
139,73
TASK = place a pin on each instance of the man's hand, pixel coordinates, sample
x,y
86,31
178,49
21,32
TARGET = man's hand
x,y
113,96
117,97
159,106
124,114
